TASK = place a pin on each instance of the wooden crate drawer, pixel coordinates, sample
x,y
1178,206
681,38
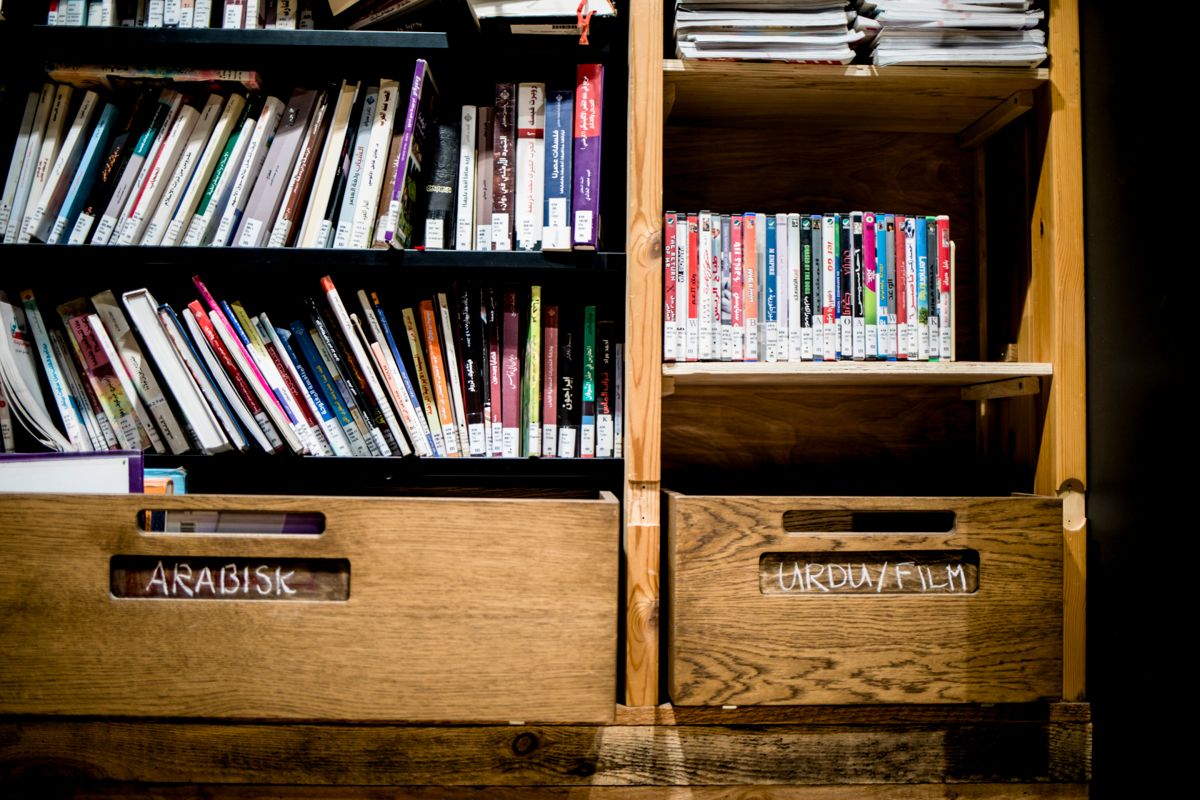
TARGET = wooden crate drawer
x,y
454,610
778,601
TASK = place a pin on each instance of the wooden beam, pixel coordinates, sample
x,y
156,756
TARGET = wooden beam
x,y
992,122
996,390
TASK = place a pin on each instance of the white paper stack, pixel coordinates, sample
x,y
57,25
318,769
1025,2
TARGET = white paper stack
x,y
953,32
803,31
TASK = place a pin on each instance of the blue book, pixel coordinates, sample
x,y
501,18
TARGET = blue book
x,y
884,282
85,175
922,290
556,220
324,383
771,291
329,421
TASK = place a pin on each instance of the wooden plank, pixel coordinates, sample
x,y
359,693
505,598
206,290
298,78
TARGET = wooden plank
x,y
997,390
854,715
990,123
730,643
449,599
643,333
569,756
957,791
850,373
911,99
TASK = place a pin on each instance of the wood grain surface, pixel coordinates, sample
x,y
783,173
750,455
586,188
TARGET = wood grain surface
x,y
729,644
488,610
849,373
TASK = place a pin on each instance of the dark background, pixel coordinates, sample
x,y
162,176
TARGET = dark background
x,y
1138,167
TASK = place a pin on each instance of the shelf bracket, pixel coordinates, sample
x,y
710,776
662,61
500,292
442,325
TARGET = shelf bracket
x,y
990,123
996,390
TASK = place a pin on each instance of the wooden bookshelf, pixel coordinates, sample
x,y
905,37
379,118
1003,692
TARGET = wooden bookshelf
x,y
851,373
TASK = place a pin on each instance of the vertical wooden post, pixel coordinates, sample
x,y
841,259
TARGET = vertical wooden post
x,y
1053,328
643,362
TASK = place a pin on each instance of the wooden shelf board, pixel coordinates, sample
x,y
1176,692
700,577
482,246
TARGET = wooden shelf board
x,y
851,373
854,97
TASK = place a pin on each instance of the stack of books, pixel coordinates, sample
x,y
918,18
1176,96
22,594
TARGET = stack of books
x,y
483,371
800,287
955,32
345,165
802,31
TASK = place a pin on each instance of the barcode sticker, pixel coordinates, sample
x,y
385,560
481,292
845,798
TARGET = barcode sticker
x,y
82,226
583,227
500,236
435,234
566,442
549,440
250,229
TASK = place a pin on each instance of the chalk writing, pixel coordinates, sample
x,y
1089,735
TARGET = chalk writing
x,y
214,578
899,572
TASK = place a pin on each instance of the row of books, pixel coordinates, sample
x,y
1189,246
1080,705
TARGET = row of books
x,y
800,287
261,14
346,165
483,371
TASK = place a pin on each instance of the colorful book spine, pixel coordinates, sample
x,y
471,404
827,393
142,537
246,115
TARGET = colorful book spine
x,y
751,281
382,331
681,283
102,374
249,171
408,186
794,282
829,272
870,302
559,147
806,288
931,273
587,425
504,132
453,372
323,381
910,287
532,383
605,388
692,329
530,165
944,311
550,383
425,385
670,256
725,337
472,351
437,378
737,282
818,331
857,289
568,391
769,344
464,225
68,411
922,288
900,292
510,376
585,200
885,349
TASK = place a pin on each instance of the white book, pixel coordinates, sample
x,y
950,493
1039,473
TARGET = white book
x,y
45,213
313,225
173,330
364,362
783,280
681,288
128,180
829,263
47,153
19,371
74,12
266,198
202,15
160,175
217,135
203,226
102,13
77,394
140,417
146,167
172,13
285,15
705,295
204,425
155,13
483,178
130,355
374,165
453,371
29,162
53,372
247,174
224,384
464,231
530,173
362,135
175,183
795,268
18,160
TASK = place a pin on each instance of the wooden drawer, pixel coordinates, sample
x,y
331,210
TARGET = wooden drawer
x,y
776,601
457,610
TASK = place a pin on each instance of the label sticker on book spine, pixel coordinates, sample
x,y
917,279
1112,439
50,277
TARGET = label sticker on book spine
x,y
583,227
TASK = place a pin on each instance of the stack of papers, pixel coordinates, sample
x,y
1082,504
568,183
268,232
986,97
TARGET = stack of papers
x,y
802,31
953,32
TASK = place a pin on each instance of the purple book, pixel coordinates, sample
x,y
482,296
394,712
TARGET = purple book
x,y
504,191
410,164
589,95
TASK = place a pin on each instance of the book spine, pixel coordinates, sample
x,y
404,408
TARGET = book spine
x,y
857,287
68,413
531,386
29,162
605,389
47,153
437,376
377,320
453,373
619,409
425,384
78,396
329,168
883,278
441,168
64,165
341,373
737,281
910,287
922,288
692,332
829,269
464,226
106,383
530,165
900,249
585,200
484,176
556,221
504,131
705,288
944,299
203,225
567,392
85,175
415,163
782,293
725,299
587,425
934,345
248,171
751,280
870,302
307,341
216,373
16,163
469,323
770,343
510,376
795,272
161,221
226,433
162,167
681,286
495,349
806,288
104,425
550,384
318,402
670,256
286,230
267,196
318,443
344,227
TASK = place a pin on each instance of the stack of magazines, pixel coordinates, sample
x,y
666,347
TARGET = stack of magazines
x,y
953,32
801,31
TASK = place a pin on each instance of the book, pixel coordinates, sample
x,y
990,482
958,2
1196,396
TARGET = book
x,y
737,287
47,153
559,148
606,355
68,407
530,165
317,224
692,323
438,193
484,176
531,400
568,388
319,442
15,214
550,383
829,271
751,250
374,169
86,173
267,196
377,323
725,299
425,385
296,196
795,277
944,290
305,340
493,327
783,304
857,288
319,402
503,188
769,341
19,374
157,173
585,199
114,472
807,272
587,422
870,286
453,371
464,199
202,227
510,375
437,379
474,377
670,256
193,167
24,132
704,262
344,225
412,173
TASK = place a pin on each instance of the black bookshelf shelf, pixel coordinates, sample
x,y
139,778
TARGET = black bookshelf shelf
x,y
257,473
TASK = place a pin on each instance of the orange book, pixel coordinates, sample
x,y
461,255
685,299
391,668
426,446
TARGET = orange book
x,y
437,376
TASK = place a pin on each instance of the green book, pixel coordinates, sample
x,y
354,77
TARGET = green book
x,y
587,430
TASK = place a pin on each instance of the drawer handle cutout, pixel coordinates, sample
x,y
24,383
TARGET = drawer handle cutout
x,y
220,578
927,572
289,523
847,521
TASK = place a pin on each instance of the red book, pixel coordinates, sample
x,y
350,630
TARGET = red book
x,y
510,374
493,367
901,291
550,382
693,289
943,260
670,253
737,312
